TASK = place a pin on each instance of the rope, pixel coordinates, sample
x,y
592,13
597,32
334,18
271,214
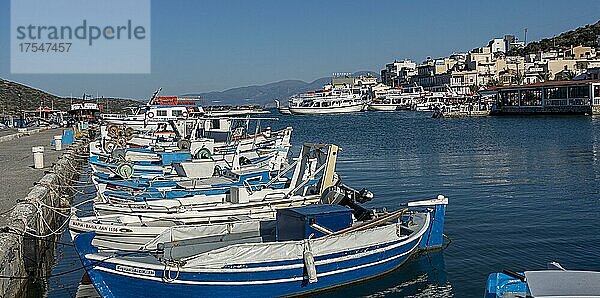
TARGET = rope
x,y
7,230
449,241
41,215
55,209
8,211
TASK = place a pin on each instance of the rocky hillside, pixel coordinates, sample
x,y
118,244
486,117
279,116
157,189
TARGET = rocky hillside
x,y
586,36
16,97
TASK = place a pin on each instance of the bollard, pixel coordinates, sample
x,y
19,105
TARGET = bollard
x,y
57,143
38,157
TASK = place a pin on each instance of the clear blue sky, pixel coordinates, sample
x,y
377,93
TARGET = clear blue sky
x,y
215,45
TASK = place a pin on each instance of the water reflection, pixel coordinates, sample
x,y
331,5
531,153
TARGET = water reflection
x,y
423,276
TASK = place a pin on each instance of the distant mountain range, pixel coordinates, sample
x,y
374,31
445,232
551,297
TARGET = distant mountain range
x,y
265,95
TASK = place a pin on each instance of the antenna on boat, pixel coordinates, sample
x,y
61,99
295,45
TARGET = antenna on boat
x,y
155,95
149,103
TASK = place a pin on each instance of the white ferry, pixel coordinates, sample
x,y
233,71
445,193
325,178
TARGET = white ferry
x,y
397,99
328,101
431,102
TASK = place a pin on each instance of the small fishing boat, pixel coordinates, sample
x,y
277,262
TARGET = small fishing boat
x,y
159,109
199,179
554,282
115,220
305,249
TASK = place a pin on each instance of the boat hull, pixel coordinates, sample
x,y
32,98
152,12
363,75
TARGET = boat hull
x,y
384,107
266,269
254,280
327,110
112,233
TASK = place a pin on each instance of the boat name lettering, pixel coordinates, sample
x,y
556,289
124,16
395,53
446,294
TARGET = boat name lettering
x,y
140,271
95,227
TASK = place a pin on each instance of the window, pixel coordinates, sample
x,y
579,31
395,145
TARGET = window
x,y
579,92
531,97
216,124
509,98
556,93
161,113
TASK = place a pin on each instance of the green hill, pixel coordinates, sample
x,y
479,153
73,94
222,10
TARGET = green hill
x,y
15,97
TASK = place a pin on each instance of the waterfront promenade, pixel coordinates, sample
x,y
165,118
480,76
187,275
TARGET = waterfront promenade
x,y
16,166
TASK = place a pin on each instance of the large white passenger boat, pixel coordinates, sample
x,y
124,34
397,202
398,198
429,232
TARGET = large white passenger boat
x,y
328,101
397,99
431,104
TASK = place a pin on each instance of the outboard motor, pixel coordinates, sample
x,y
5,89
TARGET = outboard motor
x,y
346,196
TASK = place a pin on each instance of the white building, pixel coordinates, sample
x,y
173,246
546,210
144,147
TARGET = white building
x,y
398,72
505,44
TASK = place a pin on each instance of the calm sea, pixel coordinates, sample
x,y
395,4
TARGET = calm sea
x,y
523,191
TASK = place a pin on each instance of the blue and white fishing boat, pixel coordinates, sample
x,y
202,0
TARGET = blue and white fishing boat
x,y
120,223
554,282
149,168
305,249
264,148
148,190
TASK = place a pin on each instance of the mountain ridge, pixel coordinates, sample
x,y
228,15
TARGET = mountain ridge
x,y
266,94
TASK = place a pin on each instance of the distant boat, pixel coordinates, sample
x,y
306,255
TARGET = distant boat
x,y
328,101
431,102
283,110
158,110
397,99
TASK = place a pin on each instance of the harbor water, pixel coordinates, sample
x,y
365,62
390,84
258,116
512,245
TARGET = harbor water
x,y
523,191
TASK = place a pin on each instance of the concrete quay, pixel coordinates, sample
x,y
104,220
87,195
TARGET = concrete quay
x,y
16,166
32,204
12,134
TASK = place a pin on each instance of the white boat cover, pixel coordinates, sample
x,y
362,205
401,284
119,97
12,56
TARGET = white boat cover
x,y
179,233
293,250
559,283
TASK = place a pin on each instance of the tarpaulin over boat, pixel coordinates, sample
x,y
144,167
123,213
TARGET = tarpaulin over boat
x,y
559,283
180,233
293,250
